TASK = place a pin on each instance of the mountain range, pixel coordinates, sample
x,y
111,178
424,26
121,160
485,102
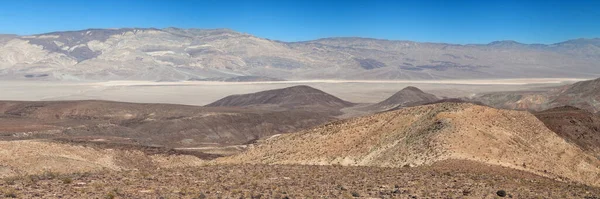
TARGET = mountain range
x,y
174,54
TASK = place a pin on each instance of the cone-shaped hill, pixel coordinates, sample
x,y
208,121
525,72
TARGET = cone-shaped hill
x,y
409,96
428,134
291,97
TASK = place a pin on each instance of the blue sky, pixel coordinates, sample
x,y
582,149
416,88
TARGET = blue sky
x,y
451,21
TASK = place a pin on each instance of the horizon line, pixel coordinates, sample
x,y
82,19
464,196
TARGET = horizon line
x,y
300,41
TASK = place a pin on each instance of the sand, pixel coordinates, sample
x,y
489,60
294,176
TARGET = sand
x,y
202,93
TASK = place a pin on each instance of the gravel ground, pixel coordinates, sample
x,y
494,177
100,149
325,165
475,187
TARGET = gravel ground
x,y
450,179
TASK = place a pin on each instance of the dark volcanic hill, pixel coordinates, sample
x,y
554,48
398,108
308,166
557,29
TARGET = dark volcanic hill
x,y
148,124
295,97
409,96
584,95
574,125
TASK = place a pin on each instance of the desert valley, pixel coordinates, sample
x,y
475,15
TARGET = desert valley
x,y
215,113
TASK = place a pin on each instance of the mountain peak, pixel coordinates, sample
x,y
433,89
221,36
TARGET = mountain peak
x,y
504,43
408,96
411,88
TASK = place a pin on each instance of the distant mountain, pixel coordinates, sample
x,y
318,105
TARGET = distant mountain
x,y
239,79
174,54
409,96
295,97
584,95
424,135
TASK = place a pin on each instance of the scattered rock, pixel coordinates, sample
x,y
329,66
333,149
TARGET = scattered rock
x,y
501,193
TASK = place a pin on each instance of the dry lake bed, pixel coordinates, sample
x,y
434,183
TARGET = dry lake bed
x,y
201,93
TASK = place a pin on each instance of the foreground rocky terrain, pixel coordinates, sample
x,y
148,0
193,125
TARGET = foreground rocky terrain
x,y
35,157
448,179
174,54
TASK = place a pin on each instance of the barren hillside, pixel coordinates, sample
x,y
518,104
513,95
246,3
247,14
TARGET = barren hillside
x,y
28,157
574,125
296,97
409,96
427,134
584,95
148,124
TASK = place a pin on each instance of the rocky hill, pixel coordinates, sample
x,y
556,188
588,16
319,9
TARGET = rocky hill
x,y
148,124
574,125
427,134
584,95
409,96
174,54
295,97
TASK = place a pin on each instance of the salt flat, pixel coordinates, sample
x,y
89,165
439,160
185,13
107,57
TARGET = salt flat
x,y
201,93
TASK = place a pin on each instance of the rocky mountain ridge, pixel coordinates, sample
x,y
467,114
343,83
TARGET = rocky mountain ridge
x,y
174,54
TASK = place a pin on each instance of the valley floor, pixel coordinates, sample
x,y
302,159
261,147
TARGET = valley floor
x,y
449,179
202,93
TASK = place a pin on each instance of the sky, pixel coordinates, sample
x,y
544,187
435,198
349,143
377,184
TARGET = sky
x,y
449,21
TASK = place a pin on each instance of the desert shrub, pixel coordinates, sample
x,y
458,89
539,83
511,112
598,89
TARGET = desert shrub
x,y
11,180
109,195
66,180
201,196
9,193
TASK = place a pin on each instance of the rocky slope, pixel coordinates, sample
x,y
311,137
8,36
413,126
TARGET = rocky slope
x,y
409,96
296,97
584,95
30,157
173,54
427,134
148,124
574,125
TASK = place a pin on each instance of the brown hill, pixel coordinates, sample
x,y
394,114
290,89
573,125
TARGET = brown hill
x,y
427,134
584,95
295,97
148,124
574,125
409,96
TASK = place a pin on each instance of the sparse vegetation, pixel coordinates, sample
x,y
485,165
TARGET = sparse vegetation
x,y
9,192
66,180
279,181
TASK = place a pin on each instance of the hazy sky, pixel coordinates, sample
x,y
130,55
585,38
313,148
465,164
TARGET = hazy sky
x,y
452,21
